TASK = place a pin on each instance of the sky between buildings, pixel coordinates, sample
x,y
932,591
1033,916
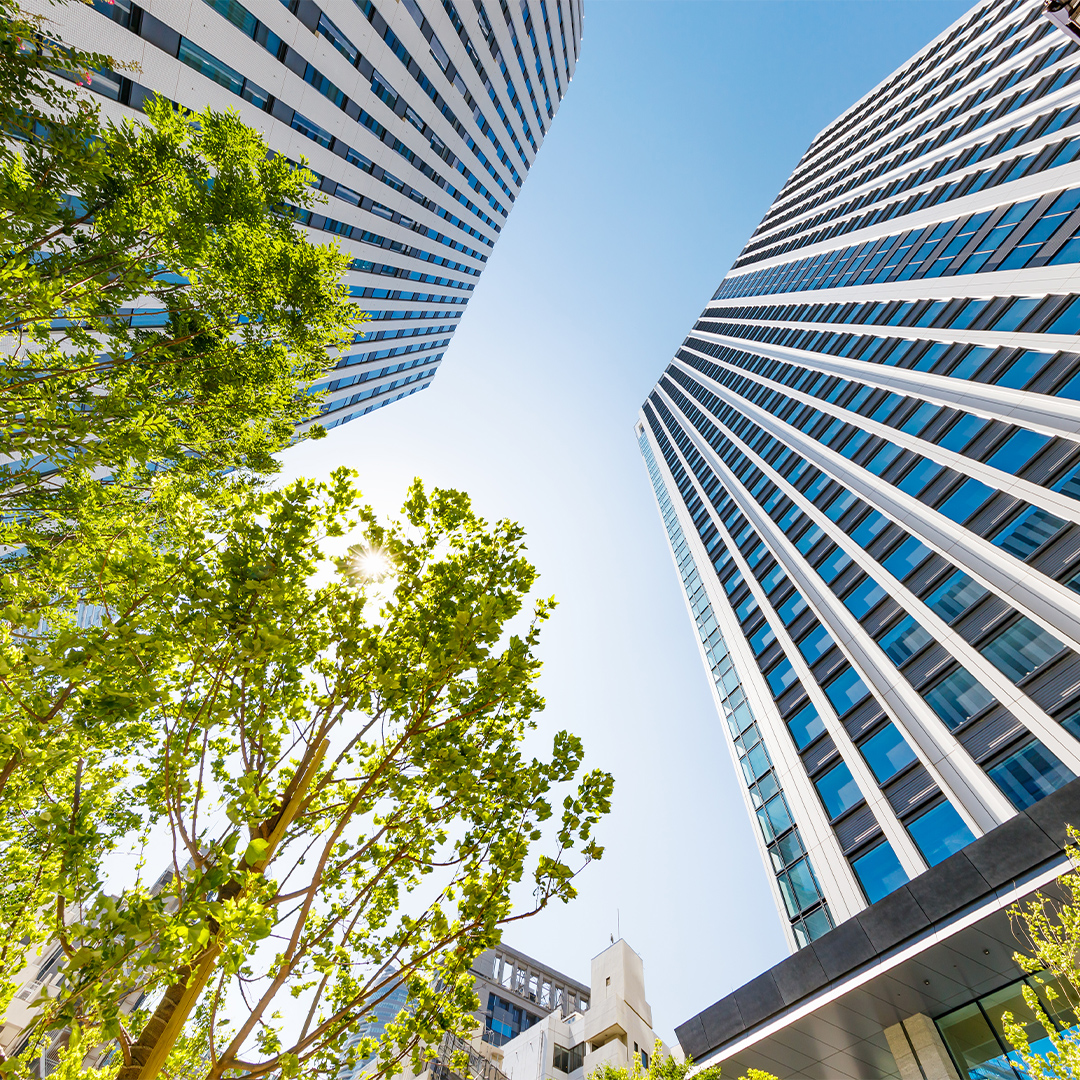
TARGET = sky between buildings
x,y
683,121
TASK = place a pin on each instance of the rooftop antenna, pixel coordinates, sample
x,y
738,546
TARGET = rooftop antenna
x,y
617,930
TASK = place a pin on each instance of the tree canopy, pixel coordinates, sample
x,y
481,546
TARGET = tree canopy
x,y
666,1067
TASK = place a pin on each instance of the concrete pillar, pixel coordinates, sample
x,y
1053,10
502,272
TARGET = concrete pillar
x,y
919,1052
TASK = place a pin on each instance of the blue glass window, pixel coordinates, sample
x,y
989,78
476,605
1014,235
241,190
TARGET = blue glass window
x,y
904,640
791,608
962,432
781,676
919,475
868,528
879,871
760,641
865,596
838,790
809,539
830,567
958,697
965,501
816,644
1029,774
1017,450
905,558
1030,530
805,726
846,691
955,596
1023,369
1020,649
887,753
939,832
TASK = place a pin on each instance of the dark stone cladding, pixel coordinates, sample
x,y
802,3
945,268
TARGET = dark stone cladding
x,y
1014,850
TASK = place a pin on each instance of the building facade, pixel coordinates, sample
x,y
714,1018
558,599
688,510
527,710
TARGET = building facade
x,y
516,993
420,119
866,455
574,1042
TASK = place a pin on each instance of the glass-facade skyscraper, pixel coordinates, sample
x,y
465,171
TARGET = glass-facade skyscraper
x,y
866,454
420,119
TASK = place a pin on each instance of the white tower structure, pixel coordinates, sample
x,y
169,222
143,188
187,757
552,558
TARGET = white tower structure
x,y
866,455
421,119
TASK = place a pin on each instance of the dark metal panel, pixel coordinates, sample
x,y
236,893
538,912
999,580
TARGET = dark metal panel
x,y
1060,554
1057,685
990,734
856,829
923,576
911,790
977,621
818,754
930,662
864,717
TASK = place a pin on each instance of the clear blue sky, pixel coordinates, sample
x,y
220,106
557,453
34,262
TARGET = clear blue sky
x,y
682,123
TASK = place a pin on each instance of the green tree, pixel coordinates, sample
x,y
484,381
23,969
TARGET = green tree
x,y
664,1067
105,419
159,307
1050,930
331,764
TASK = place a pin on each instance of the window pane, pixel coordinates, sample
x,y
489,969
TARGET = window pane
x,y
838,790
904,640
816,644
865,596
781,677
846,691
905,558
939,832
879,872
805,726
1029,774
887,753
963,503
953,598
973,1043
802,880
1021,648
1028,531
957,698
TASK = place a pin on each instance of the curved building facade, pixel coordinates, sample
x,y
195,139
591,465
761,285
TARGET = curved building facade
x,y
867,457
421,119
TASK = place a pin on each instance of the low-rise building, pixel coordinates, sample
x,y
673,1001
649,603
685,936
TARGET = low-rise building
x,y
614,1030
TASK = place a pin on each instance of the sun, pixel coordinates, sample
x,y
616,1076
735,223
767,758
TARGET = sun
x,y
370,564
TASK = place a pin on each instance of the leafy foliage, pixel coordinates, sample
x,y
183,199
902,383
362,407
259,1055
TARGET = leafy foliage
x,y
159,309
664,1067
1051,930
335,774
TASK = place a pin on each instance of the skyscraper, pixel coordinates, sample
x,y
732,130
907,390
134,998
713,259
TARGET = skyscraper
x,y
420,118
867,457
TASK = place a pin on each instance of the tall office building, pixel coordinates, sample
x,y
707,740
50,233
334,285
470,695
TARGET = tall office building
x,y
867,456
421,119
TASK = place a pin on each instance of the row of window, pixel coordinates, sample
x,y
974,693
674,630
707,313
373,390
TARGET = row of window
x,y
1017,651
378,404
1011,449
881,125
1042,127
241,18
960,246
803,897
937,830
1054,314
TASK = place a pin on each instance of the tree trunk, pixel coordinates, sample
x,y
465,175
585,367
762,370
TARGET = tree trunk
x,y
159,1035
